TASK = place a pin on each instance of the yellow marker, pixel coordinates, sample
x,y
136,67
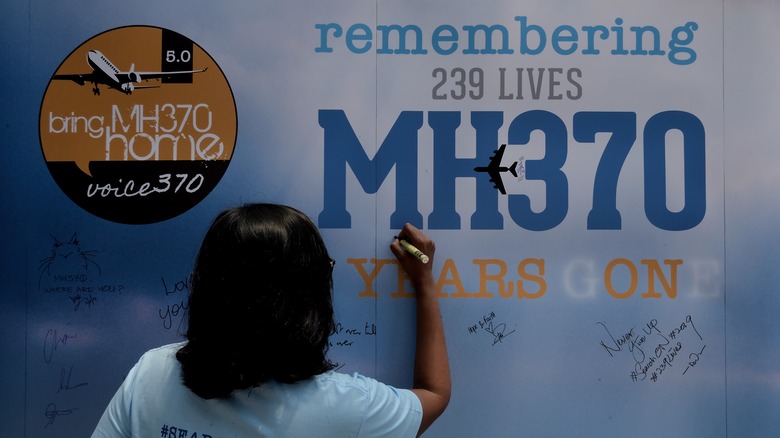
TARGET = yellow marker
x,y
413,250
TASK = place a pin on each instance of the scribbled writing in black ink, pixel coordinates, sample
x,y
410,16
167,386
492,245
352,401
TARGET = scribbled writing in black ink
x,y
53,341
498,332
694,359
78,300
66,375
67,261
179,286
653,351
343,336
174,310
665,358
52,413
487,323
688,323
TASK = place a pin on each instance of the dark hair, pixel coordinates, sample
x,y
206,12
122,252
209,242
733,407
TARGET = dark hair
x,y
260,305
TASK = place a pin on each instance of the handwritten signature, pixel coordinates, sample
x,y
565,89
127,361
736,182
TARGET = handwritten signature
x,y
77,300
487,323
65,377
53,341
694,359
498,332
52,413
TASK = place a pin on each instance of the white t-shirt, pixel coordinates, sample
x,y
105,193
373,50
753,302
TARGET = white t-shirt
x,y
153,402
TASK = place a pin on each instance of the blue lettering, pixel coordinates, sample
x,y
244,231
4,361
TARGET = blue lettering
x,y
447,168
525,28
640,31
591,32
678,44
622,129
342,147
558,37
488,36
401,31
525,39
450,37
618,29
547,169
324,28
695,179
399,151
359,32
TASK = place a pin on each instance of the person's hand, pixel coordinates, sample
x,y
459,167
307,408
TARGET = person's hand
x,y
417,271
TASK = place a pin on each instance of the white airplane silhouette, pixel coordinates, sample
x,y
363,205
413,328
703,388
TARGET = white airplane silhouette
x,y
104,72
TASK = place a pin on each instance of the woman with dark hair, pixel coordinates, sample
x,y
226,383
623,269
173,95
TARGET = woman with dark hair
x,y
254,363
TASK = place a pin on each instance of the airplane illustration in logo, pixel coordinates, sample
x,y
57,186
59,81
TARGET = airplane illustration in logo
x,y
494,169
106,73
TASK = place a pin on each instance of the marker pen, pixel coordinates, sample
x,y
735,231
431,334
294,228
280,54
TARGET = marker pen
x,y
411,249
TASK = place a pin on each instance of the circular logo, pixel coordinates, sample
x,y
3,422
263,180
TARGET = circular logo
x,y
138,125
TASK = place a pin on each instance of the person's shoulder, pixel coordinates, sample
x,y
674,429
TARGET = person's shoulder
x,y
160,355
165,350
355,382
382,407
343,379
344,384
153,369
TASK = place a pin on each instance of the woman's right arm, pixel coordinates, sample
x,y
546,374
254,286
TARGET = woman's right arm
x,y
432,383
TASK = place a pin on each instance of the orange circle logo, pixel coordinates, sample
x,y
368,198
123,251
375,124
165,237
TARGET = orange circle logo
x,y
138,125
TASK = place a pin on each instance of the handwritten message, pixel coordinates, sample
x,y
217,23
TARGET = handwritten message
x,y
654,350
72,270
488,324
176,295
344,336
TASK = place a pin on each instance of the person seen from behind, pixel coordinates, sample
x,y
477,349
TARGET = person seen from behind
x,y
254,361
